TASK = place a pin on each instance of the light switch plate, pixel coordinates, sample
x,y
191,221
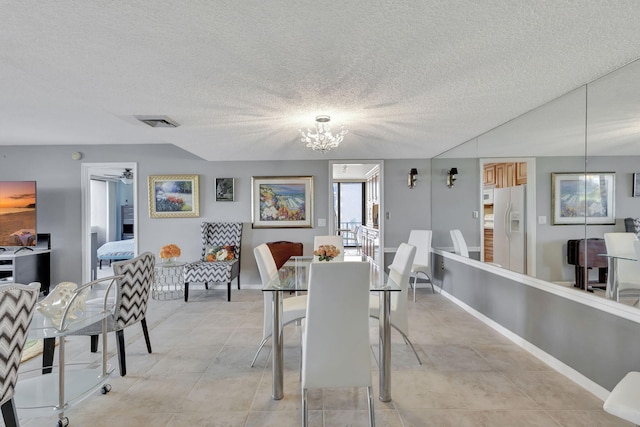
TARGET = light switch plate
x,y
542,220
322,222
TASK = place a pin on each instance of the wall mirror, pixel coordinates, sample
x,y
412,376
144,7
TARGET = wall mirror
x,y
592,130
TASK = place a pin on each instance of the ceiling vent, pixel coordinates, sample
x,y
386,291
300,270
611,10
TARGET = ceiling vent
x,y
158,121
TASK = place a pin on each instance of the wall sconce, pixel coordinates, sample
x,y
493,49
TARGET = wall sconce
x,y
411,178
451,176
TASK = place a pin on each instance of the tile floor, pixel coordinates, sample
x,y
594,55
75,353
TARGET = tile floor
x,y
199,375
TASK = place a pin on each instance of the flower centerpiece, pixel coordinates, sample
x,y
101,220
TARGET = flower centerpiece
x,y
326,252
170,252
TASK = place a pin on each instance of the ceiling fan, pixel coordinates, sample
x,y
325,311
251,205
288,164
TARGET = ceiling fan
x,y
126,177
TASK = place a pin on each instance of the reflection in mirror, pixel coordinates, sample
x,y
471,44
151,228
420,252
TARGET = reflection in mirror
x,y
523,152
613,145
596,125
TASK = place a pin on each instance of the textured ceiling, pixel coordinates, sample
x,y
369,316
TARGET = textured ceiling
x,y
408,79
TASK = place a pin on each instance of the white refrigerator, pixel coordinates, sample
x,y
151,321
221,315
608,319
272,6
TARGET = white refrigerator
x,y
509,228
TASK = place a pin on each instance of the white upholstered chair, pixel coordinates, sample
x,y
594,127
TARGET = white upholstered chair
x,y
421,239
459,244
293,308
330,240
335,348
626,276
399,272
623,400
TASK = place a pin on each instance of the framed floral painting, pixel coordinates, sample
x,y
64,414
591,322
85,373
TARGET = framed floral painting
x,y
579,198
173,196
282,201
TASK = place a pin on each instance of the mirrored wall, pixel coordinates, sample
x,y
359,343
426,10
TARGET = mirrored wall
x,y
537,194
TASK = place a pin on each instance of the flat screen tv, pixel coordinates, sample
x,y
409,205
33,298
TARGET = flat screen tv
x,y
18,213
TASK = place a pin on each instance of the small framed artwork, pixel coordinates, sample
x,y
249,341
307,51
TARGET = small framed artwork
x,y
579,198
173,196
282,201
225,190
636,184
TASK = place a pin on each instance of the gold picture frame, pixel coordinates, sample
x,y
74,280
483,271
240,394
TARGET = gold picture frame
x,y
173,196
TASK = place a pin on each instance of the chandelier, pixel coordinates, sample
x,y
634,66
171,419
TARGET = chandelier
x,y
320,138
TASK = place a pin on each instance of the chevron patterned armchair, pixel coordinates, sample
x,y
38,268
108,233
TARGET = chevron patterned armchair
x,y
132,295
16,312
216,235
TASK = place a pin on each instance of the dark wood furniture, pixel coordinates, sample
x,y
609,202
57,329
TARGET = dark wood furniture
x,y
576,255
282,251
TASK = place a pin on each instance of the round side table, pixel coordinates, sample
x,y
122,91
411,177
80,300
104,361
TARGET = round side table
x,y
168,281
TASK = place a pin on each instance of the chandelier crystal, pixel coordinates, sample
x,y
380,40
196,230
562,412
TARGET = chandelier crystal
x,y
320,138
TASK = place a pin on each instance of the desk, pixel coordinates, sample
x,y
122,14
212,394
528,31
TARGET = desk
x,y
294,277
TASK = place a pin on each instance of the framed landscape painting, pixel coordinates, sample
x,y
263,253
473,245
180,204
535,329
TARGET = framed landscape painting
x,y
173,196
282,201
579,198
225,190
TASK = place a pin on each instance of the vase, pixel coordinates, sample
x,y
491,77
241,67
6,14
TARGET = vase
x,y
170,261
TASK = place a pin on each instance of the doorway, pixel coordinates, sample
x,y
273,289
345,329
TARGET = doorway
x,y
109,209
355,202
350,205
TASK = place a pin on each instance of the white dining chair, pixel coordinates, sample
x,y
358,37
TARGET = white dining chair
x,y
293,308
336,351
623,400
626,274
399,272
330,240
459,244
421,239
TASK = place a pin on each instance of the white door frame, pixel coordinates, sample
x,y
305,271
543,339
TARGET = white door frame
x,y
332,226
88,169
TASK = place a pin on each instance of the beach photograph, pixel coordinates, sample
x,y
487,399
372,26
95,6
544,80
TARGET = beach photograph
x,y
18,213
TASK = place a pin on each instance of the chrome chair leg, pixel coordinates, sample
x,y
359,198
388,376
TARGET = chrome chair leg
x,y
305,409
262,343
410,344
372,415
415,280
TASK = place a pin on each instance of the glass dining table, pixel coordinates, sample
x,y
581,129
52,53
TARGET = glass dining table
x,y
293,277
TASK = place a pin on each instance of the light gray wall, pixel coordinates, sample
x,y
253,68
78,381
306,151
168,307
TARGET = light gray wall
x,y
60,211
454,206
408,208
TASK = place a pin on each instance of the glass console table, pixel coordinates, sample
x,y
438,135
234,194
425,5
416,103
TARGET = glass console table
x,y
62,386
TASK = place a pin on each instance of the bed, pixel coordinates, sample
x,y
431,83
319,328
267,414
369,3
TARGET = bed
x,y
115,251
